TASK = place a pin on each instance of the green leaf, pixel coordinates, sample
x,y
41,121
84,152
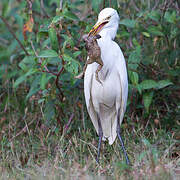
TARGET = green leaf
x,y
49,110
48,53
142,155
146,143
170,17
6,6
27,63
155,30
56,19
19,81
96,4
70,15
32,91
24,77
135,56
147,98
128,22
23,66
133,76
148,84
53,39
45,26
163,83
44,80
34,86
41,100
146,34
77,53
154,15
72,65
29,60
132,66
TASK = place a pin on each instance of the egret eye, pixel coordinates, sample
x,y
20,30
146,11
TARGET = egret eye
x,y
108,18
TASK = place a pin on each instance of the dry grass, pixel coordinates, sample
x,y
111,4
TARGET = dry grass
x,y
41,153
33,149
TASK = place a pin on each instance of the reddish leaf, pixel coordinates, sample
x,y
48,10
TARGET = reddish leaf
x,y
28,26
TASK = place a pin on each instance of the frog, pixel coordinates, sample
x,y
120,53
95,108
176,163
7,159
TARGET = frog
x,y
94,54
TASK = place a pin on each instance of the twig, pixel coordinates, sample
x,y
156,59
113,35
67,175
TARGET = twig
x,y
40,61
14,35
109,3
134,5
83,119
23,130
166,6
57,82
4,41
69,122
156,4
43,9
60,4
30,4
47,71
177,5
104,3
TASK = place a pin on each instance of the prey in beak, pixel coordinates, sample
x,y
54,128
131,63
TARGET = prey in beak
x,y
98,26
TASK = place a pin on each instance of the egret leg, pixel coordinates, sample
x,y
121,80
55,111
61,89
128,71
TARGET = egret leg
x,y
100,139
121,140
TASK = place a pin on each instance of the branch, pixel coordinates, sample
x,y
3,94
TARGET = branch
x,y
155,6
61,4
104,3
23,130
40,61
14,35
69,122
135,7
47,70
109,3
43,9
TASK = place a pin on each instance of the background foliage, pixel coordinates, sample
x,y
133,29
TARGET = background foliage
x,y
41,51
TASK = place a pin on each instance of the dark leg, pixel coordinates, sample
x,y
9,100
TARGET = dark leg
x,y
122,143
100,139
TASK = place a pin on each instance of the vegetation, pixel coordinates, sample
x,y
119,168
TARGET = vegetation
x,y
45,130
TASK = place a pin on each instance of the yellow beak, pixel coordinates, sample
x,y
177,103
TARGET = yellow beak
x,y
97,27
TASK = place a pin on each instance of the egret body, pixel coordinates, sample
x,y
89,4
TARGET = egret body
x,y
106,101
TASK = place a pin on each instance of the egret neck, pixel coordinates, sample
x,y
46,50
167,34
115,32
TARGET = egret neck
x,y
106,43
109,32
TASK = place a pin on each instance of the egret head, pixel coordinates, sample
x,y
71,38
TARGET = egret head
x,y
107,24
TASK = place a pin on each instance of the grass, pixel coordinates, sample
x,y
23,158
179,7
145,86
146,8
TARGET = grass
x,y
38,151
34,148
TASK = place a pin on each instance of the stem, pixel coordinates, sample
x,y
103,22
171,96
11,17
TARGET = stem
x,y
60,4
104,3
109,3
43,9
14,35
40,61
69,122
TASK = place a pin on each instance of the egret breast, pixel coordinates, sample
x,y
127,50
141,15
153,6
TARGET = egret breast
x,y
106,92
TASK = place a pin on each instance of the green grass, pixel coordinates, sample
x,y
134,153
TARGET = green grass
x,y
38,152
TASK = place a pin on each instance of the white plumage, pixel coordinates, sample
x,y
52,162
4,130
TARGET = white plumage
x,y
106,99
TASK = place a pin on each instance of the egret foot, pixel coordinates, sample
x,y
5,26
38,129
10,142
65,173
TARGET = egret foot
x,y
124,150
121,140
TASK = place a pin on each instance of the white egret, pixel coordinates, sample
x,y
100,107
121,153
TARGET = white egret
x,y
106,101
